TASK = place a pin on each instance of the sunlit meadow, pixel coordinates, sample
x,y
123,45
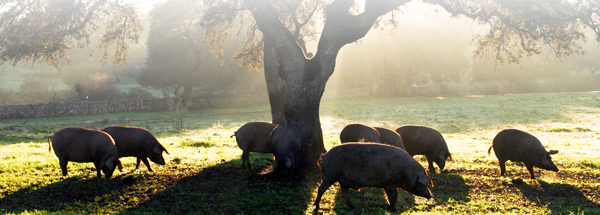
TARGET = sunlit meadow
x,y
203,174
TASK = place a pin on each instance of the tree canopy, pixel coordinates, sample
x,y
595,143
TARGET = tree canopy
x,y
38,30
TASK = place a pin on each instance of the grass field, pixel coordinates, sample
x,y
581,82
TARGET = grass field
x,y
203,174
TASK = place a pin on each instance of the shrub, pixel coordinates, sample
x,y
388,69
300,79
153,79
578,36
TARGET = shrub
x,y
96,87
35,88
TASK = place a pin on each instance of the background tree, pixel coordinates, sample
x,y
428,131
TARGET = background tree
x,y
177,57
179,60
518,28
34,30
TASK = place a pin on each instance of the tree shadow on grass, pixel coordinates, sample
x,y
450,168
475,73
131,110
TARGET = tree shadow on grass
x,y
60,195
559,198
227,188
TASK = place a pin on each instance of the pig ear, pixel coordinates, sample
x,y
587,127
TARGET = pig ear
x,y
553,152
156,150
110,164
164,149
425,180
546,162
442,156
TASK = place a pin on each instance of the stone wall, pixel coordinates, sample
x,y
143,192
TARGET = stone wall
x,y
106,106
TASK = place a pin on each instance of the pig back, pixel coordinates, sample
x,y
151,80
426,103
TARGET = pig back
x,y
367,165
132,141
83,145
420,140
359,133
516,145
254,136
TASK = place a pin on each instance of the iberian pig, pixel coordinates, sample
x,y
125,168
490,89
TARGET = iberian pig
x,y
357,165
86,145
137,142
286,142
359,133
390,137
254,137
516,145
420,140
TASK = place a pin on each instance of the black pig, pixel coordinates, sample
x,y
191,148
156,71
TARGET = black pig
x,y
359,133
85,145
285,142
137,142
357,165
516,145
254,137
426,141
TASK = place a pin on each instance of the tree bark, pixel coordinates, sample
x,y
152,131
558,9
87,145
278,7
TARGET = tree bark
x,y
275,85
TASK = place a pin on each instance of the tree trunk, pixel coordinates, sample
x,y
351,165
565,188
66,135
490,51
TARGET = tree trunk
x,y
187,94
275,85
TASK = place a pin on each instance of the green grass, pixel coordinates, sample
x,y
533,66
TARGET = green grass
x,y
203,174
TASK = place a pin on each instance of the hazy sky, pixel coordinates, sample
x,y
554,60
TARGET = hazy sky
x,y
146,5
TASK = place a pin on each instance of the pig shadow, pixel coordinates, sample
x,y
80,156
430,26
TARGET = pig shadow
x,y
449,186
59,195
227,188
369,200
559,198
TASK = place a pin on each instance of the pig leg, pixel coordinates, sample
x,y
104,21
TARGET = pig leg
x,y
430,161
346,195
530,169
502,163
145,160
98,174
322,188
392,196
246,159
137,164
63,166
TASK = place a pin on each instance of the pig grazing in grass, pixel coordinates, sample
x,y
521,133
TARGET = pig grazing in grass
x,y
359,133
86,145
285,142
390,137
254,137
137,142
357,165
420,140
516,145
